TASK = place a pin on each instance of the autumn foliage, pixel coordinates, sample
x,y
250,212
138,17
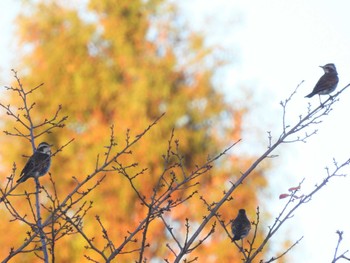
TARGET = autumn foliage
x,y
144,161
135,93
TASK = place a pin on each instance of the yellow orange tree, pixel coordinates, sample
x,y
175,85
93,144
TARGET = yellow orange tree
x,y
116,67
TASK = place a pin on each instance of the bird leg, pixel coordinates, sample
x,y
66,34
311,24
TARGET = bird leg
x,y
321,104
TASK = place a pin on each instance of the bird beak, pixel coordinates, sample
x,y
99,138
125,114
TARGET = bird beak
x,y
321,66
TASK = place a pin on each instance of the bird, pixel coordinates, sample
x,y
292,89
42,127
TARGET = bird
x,y
240,225
327,83
38,164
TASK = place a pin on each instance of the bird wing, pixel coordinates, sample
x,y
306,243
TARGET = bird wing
x,y
325,82
28,168
29,165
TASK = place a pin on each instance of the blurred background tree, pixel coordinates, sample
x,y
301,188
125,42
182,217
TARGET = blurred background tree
x,y
125,63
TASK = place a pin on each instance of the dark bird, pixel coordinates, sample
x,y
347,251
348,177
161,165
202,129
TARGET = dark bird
x,y
327,83
38,164
240,225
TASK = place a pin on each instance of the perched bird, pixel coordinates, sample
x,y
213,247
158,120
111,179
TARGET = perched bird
x,y
38,164
240,226
327,83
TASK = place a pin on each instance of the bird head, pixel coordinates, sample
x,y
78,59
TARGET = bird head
x,y
44,147
328,68
241,211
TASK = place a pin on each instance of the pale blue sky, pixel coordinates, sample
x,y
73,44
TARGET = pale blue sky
x,y
279,43
274,45
8,10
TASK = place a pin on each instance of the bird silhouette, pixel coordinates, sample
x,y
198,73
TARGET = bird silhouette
x,y
240,225
38,164
327,83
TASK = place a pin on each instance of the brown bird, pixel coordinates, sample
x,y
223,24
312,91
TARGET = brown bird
x,y
327,83
38,164
240,225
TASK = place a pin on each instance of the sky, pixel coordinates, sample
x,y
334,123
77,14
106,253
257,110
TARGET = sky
x,y
277,44
274,45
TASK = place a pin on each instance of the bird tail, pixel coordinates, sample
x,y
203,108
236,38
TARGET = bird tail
x,y
310,95
235,238
22,179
